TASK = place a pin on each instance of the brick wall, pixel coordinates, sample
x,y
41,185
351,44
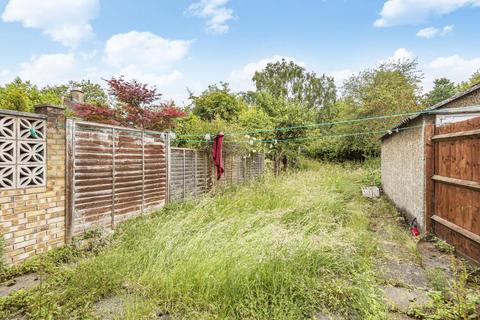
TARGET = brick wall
x,y
32,220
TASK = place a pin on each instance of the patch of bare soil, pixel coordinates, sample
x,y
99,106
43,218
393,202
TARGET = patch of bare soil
x,y
25,281
109,308
113,307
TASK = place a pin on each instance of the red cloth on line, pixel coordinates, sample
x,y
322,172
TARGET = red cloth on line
x,y
217,155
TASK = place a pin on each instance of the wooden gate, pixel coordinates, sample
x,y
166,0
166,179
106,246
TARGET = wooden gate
x,y
455,183
113,173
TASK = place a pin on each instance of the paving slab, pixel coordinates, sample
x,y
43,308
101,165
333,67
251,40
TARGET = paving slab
x,y
405,272
401,299
432,258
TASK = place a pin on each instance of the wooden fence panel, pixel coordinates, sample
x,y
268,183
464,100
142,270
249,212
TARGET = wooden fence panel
x,y
116,173
189,174
456,183
113,174
128,175
155,173
240,168
256,165
192,172
92,177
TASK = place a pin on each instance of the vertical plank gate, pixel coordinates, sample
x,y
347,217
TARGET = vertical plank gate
x,y
113,173
453,201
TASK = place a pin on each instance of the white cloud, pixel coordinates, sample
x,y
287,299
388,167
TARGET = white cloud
x,y
399,12
432,32
215,11
427,33
145,50
65,21
455,68
400,54
446,30
146,57
241,79
49,69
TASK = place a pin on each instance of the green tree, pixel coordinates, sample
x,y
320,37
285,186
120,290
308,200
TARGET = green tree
x,y
280,114
217,102
294,84
94,93
474,79
391,88
443,89
22,96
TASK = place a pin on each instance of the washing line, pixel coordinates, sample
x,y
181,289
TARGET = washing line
x,y
472,108
314,125
310,138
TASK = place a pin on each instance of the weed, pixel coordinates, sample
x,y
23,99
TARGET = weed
x,y
440,244
438,280
458,303
443,246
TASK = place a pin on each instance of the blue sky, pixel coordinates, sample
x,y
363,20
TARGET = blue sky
x,y
181,44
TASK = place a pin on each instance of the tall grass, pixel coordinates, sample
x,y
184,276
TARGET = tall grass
x,y
278,248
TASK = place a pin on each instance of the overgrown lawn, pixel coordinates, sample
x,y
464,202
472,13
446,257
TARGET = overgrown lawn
x,y
279,248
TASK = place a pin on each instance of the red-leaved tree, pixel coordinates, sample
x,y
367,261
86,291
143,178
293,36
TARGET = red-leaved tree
x,y
134,104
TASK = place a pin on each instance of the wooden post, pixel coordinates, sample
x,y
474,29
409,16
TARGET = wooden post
x,y
168,163
143,171
429,149
113,178
195,174
184,175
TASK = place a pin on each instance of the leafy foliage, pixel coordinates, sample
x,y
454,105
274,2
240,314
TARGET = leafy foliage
x,y
474,79
196,129
94,93
390,88
134,105
293,83
217,102
442,90
22,96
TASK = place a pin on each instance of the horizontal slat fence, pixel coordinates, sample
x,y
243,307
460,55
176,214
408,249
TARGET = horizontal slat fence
x,y
116,173
241,167
113,174
192,172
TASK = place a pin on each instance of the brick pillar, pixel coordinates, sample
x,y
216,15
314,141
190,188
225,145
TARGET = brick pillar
x,y
55,186
32,219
